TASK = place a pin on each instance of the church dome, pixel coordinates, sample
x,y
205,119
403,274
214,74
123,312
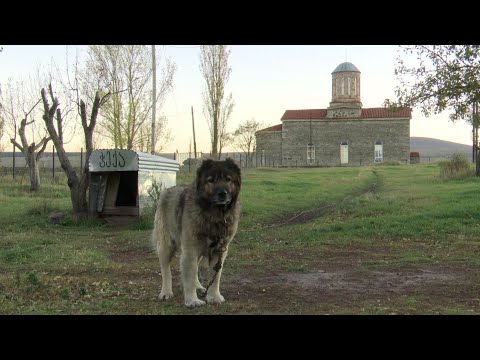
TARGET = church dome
x,y
346,66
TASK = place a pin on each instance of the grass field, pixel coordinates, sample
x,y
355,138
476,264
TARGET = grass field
x,y
363,240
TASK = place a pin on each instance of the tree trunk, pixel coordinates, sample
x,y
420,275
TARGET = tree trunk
x,y
78,184
78,196
33,168
477,163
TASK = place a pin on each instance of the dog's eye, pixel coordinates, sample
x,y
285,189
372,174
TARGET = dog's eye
x,y
210,179
228,178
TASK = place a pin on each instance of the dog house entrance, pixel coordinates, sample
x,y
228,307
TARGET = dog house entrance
x,y
117,193
120,179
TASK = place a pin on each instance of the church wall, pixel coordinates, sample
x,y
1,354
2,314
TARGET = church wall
x,y
268,147
360,135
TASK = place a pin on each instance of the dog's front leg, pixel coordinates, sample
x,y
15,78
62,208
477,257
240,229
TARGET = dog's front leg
x,y
189,266
213,294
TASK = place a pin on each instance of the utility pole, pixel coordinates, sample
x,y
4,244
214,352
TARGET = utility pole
x,y
194,141
154,96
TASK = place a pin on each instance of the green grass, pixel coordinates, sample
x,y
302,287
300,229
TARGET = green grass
x,y
381,217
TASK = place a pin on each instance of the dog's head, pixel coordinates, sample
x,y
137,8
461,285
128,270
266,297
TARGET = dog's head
x,y
218,183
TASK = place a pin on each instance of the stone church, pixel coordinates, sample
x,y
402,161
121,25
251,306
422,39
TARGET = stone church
x,y
344,134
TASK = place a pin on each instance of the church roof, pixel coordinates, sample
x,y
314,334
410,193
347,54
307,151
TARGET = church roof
x,y
271,128
346,66
367,113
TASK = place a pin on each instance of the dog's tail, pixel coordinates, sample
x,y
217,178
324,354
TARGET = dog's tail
x,y
159,231
154,237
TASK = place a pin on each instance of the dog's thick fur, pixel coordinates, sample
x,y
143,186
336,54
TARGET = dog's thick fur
x,y
199,221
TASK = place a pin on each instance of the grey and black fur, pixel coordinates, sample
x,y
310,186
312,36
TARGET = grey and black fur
x,y
198,221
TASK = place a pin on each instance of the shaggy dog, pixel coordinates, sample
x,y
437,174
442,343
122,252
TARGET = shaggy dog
x,y
199,221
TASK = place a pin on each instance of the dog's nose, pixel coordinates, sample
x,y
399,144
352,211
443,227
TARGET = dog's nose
x,y
222,193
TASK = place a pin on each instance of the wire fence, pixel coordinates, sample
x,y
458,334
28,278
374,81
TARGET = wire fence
x,y
13,165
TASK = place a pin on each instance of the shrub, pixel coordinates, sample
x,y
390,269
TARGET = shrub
x,y
458,167
390,162
155,190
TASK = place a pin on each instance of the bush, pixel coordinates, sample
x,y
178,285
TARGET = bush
x,y
155,190
458,167
390,162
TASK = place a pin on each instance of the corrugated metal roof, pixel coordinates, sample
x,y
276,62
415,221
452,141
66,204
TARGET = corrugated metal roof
x,y
106,160
346,66
149,162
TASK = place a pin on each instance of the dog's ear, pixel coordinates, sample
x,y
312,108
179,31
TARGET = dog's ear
x,y
232,165
206,164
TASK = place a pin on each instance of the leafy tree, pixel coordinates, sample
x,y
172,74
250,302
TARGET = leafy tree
x,y
439,78
125,71
217,108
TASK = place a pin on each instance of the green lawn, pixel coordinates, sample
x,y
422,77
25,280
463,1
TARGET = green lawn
x,y
402,222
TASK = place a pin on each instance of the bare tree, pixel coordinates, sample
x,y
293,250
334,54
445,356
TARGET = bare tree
x,y
2,124
217,108
18,109
80,88
126,72
243,138
78,183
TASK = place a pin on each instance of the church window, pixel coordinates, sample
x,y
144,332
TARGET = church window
x,y
344,153
349,85
354,86
378,151
310,153
343,86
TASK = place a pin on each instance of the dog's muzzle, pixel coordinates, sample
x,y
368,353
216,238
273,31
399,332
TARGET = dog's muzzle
x,y
222,197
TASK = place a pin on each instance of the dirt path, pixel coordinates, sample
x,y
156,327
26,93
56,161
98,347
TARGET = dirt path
x,y
391,291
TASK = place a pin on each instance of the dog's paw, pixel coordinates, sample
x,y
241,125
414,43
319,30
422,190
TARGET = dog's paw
x,y
194,303
215,299
165,295
201,291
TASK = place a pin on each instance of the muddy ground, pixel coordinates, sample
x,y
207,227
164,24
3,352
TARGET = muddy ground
x,y
333,284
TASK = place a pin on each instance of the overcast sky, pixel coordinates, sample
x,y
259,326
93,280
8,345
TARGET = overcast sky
x,y
265,81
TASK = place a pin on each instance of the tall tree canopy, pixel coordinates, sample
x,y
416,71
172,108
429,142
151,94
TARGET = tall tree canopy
x,y
125,71
440,77
217,107
436,78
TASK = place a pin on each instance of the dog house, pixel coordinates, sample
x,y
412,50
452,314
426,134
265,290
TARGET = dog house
x,y
120,180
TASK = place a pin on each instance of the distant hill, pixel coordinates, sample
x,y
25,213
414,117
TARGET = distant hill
x,y
428,147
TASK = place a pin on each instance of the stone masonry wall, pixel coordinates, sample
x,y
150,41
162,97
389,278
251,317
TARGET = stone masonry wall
x,y
270,145
327,136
